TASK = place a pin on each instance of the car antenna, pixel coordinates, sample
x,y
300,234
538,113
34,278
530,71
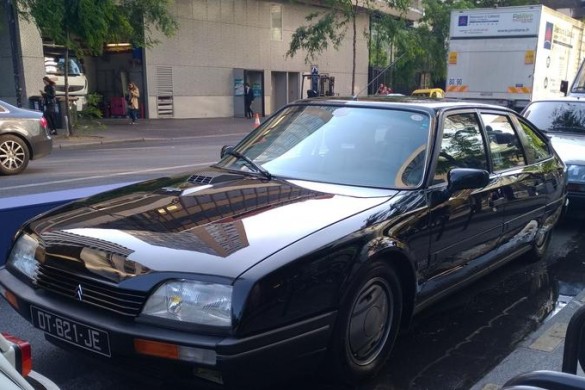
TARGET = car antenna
x,y
354,97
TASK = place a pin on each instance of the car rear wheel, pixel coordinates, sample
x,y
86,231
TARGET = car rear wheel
x,y
540,246
14,155
367,325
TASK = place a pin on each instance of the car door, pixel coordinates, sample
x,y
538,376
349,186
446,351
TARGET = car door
x,y
525,189
465,229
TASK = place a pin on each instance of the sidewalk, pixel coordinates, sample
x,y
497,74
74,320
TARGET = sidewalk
x,y
120,130
543,350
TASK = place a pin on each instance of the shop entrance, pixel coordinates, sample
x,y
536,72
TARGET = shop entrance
x,y
256,80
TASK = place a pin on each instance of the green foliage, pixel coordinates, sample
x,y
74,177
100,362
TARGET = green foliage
x,y
316,38
329,27
92,108
88,119
85,26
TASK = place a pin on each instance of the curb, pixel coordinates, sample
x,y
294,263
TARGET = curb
x,y
72,145
542,350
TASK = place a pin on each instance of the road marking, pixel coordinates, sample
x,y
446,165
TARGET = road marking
x,y
108,175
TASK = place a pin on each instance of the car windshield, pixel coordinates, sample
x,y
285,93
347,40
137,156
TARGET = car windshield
x,y
56,66
567,116
358,146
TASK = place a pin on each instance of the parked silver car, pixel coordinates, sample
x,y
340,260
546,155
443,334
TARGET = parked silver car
x,y
24,136
563,120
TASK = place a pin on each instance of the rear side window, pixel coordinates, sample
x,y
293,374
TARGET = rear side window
x,y
504,145
535,147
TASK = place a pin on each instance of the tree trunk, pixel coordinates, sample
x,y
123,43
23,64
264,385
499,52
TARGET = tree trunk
x,y
66,77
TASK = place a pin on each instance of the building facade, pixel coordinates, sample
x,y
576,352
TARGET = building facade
x,y
200,72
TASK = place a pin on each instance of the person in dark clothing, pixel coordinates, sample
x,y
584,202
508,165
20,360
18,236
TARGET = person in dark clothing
x,y
49,104
248,99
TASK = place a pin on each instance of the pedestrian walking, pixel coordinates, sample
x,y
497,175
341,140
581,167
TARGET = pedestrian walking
x,y
248,99
133,95
49,104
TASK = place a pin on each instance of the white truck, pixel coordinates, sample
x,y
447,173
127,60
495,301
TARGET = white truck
x,y
76,79
511,55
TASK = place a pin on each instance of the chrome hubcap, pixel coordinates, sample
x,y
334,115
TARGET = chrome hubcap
x,y
370,322
11,155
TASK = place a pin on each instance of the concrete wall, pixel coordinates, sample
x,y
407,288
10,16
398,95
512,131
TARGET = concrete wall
x,y
216,36
31,60
7,87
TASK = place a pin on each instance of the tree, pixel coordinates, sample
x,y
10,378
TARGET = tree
x,y
85,26
330,26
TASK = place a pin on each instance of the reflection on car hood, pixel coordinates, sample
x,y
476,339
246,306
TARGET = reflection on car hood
x,y
571,148
221,226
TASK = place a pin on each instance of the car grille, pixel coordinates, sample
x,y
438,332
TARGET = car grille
x,y
90,292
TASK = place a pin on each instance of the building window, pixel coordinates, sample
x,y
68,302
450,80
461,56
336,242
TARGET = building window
x,y
276,22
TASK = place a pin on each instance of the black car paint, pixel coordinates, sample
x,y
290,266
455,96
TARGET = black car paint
x,y
434,247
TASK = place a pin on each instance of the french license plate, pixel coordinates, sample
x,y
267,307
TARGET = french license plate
x,y
72,332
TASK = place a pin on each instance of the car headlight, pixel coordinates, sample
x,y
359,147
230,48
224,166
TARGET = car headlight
x,y
22,256
576,173
191,301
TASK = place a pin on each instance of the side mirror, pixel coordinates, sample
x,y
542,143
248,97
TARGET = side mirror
x,y
564,87
224,150
460,179
467,179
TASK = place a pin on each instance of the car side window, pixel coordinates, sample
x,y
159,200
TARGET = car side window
x,y
462,146
535,147
504,145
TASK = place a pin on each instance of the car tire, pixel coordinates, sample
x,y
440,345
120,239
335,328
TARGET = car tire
x,y
367,325
14,155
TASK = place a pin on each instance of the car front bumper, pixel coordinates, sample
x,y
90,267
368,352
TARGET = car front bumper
x,y
575,190
271,355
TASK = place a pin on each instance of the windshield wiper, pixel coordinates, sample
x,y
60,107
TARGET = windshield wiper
x,y
251,163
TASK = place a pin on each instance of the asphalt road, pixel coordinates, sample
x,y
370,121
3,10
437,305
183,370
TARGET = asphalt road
x,y
449,346
114,163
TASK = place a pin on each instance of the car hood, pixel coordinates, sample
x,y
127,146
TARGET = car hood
x,y
210,223
571,148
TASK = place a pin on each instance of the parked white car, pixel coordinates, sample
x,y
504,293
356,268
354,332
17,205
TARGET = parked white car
x,y
16,367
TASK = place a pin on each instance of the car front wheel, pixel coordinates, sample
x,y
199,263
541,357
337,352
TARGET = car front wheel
x,y
367,325
14,155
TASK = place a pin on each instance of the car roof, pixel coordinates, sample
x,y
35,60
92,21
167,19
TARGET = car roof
x,y
561,99
406,102
427,90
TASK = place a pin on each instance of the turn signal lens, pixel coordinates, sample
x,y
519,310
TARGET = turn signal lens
x,y
156,348
175,352
11,298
